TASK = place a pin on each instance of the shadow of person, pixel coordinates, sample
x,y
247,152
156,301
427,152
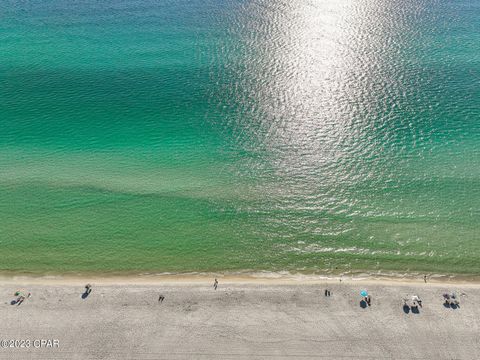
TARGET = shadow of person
x,y
453,306
88,290
406,309
13,302
415,310
446,304
363,304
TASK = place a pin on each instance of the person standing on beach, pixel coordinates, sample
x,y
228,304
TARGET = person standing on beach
x,y
425,278
215,284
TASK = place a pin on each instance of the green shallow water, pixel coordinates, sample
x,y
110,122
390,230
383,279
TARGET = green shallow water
x,y
210,136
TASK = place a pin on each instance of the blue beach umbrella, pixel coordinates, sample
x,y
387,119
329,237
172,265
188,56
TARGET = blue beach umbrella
x,y
364,293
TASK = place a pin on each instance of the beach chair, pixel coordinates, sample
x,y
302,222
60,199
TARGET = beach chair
x,y
446,298
416,299
454,299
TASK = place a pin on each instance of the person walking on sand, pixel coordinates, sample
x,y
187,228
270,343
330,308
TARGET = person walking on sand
x,y
88,289
215,284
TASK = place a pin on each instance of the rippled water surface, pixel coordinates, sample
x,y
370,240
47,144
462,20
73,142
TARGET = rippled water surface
x,y
302,136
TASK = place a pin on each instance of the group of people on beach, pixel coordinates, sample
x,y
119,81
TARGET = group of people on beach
x,y
450,300
412,304
20,298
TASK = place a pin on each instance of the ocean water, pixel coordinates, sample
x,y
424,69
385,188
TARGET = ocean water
x,y
227,136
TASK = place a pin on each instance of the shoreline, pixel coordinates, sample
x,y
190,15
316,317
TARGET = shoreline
x,y
236,278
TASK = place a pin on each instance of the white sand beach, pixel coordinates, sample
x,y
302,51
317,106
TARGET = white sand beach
x,y
243,319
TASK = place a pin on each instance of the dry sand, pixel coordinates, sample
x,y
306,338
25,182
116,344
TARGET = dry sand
x,y
261,319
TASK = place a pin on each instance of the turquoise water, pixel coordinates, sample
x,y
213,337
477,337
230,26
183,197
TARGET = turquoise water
x,y
179,136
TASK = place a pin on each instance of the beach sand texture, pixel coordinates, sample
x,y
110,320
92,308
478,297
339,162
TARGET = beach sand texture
x,y
257,320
